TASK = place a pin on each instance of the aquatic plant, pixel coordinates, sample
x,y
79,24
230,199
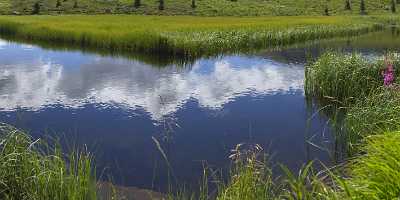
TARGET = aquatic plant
x,y
344,79
33,169
376,114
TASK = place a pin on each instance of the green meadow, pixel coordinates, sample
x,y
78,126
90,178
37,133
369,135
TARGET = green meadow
x,y
200,8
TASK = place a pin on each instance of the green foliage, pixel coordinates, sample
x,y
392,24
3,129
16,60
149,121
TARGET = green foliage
x,y
375,175
250,178
363,8
356,84
347,5
137,3
193,4
160,4
375,114
344,79
393,6
35,170
36,8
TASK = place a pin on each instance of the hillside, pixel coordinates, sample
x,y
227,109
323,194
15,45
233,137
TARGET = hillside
x,y
203,7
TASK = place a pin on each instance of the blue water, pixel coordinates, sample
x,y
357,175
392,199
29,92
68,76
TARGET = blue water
x,y
198,113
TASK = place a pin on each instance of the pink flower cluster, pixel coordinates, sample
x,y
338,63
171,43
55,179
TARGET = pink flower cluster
x,y
388,74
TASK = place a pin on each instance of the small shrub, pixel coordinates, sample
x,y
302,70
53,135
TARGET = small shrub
x,y
137,3
36,8
363,9
161,5
58,4
347,5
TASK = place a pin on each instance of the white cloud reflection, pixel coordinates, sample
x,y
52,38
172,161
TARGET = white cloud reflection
x,y
36,84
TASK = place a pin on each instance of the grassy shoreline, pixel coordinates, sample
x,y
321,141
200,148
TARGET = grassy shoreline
x,y
184,36
36,169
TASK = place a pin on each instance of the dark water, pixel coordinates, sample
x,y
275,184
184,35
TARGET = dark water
x,y
198,113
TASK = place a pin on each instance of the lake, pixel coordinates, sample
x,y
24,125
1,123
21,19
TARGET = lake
x,y
197,112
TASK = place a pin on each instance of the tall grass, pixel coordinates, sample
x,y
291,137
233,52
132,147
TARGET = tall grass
x,y
35,170
376,114
252,178
184,36
375,175
355,83
344,79
371,122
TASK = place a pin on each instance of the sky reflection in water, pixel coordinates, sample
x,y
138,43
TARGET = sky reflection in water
x,y
116,105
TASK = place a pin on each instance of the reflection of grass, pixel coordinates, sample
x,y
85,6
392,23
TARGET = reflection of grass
x,y
183,36
34,170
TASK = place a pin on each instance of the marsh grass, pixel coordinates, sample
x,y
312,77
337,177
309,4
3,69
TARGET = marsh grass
x,y
370,124
343,79
37,170
351,86
251,177
184,36
376,114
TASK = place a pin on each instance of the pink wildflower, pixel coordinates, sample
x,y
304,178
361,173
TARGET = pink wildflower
x,y
388,74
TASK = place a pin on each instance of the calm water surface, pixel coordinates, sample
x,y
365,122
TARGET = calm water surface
x,y
198,113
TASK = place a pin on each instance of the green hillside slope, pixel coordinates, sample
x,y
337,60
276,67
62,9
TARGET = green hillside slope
x,y
203,7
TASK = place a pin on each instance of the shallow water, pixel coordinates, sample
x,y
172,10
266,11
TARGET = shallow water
x,y
198,112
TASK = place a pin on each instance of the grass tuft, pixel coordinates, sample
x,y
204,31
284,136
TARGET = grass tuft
x,y
35,170
375,175
344,79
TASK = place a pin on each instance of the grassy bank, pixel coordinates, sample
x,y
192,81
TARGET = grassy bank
x,y
35,170
202,7
184,36
371,121
355,84
344,79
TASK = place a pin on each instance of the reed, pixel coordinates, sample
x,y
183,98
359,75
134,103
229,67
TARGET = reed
x,y
376,114
36,170
344,79
251,178
354,86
